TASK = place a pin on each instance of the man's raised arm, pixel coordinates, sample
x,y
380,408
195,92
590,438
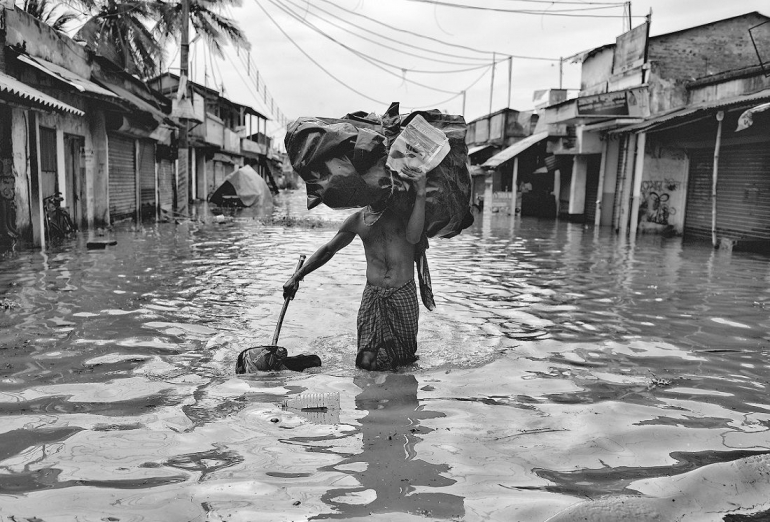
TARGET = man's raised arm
x,y
320,257
416,222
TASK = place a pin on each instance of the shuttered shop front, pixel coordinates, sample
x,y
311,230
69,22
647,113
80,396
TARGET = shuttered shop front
x,y
147,177
122,177
743,193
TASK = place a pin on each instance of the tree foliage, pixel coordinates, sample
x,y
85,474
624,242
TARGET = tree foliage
x,y
134,33
53,14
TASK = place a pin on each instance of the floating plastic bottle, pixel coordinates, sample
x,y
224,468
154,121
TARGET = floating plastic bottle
x,y
313,402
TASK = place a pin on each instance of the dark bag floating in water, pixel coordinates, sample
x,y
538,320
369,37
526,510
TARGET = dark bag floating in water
x,y
342,162
273,358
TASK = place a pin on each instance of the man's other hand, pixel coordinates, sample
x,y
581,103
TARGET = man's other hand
x,y
417,177
290,288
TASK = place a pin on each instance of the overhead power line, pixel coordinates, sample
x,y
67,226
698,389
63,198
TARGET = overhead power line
x,y
394,66
345,84
366,58
332,21
313,60
567,2
258,87
561,12
488,54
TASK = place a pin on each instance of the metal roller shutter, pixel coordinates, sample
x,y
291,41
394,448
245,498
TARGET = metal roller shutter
x,y
147,178
122,177
743,193
697,217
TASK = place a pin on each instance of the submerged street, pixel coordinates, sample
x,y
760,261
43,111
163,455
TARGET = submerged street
x,y
564,368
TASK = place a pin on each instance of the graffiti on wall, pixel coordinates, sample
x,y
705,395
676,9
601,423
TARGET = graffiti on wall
x,y
655,207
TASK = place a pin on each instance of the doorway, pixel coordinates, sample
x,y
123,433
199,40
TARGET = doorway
x,y
74,177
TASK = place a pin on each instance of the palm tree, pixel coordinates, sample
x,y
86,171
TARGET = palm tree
x,y
216,29
118,30
49,14
133,33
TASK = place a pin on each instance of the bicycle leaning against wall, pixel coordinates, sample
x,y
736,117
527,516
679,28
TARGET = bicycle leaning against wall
x,y
58,223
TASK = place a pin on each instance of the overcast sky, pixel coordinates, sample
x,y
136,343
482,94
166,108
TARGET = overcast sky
x,y
333,57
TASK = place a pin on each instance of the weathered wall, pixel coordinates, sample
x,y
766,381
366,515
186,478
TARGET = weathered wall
x,y
664,180
40,40
709,49
665,93
729,89
97,180
595,72
20,137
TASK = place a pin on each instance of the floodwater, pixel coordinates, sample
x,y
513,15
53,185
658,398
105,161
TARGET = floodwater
x,y
566,374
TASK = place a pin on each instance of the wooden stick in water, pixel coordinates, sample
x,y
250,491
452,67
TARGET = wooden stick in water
x,y
286,304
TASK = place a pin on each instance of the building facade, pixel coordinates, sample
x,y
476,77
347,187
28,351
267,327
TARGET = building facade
x,y
226,136
73,124
655,146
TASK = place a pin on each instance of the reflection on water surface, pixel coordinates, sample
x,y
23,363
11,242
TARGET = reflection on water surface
x,y
562,363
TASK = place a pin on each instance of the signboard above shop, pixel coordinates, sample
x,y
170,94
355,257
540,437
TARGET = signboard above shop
x,y
629,102
631,49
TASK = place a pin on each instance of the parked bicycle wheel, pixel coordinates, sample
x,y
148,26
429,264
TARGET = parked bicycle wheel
x,y
52,229
65,221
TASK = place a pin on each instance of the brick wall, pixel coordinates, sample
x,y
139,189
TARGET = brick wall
x,y
705,50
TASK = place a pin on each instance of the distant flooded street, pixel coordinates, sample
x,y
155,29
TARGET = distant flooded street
x,y
564,368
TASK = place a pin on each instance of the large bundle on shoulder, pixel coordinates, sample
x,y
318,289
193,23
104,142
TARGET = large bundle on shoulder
x,y
347,162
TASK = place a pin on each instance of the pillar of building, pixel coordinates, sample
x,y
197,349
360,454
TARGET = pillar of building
x,y
577,189
641,142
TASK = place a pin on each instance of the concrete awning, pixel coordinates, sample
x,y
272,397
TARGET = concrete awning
x,y
60,73
514,150
478,148
224,158
24,92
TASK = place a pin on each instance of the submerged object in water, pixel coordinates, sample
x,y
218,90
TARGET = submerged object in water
x,y
273,358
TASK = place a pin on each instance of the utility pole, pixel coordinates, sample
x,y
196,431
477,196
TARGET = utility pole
x,y
463,111
561,72
492,86
510,79
628,7
183,167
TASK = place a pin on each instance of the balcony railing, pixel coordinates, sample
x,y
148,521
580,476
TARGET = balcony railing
x,y
253,147
231,141
210,131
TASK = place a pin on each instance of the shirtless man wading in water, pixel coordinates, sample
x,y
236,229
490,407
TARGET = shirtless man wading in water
x,y
387,318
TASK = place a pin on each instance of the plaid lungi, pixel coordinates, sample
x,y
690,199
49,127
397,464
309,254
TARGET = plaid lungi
x,y
387,325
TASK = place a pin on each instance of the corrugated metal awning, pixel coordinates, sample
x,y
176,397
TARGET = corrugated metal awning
x,y
24,92
693,112
137,102
514,150
65,75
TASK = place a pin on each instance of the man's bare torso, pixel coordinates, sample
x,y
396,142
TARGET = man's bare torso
x,y
389,256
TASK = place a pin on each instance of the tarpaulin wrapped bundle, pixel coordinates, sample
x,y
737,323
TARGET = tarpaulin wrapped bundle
x,y
343,163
